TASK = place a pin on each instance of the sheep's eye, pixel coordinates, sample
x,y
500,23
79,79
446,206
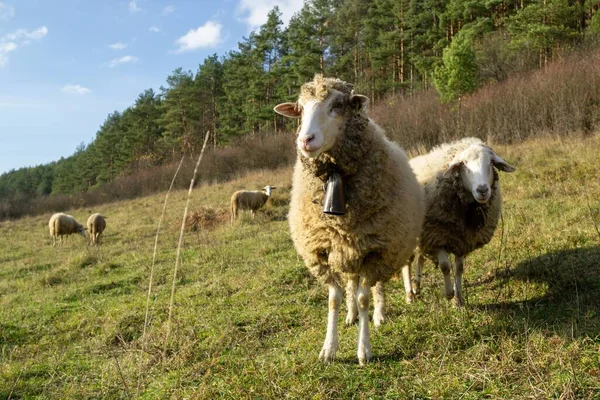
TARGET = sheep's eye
x,y
337,106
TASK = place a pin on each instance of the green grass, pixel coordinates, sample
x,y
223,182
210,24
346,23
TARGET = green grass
x,y
249,320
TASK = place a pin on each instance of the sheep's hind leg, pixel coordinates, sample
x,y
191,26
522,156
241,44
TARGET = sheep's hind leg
x,y
458,272
444,264
410,296
379,302
416,283
331,338
351,287
364,341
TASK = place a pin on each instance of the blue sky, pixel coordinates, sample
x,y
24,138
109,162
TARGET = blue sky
x,y
66,64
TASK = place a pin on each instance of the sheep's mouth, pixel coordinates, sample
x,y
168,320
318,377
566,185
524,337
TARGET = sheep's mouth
x,y
482,199
311,152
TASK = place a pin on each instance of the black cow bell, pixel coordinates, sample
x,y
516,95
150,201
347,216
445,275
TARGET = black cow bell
x,y
334,203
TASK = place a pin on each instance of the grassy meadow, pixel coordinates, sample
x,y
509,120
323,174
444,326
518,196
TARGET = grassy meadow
x,y
249,321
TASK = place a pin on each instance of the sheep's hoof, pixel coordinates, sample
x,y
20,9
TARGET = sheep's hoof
x,y
351,319
327,355
365,358
450,295
378,319
416,288
458,302
410,297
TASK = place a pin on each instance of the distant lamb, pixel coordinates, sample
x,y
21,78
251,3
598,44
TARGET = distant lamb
x,y
249,200
95,226
62,224
384,204
462,193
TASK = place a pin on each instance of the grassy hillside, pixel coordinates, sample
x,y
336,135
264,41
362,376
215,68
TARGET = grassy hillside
x,y
249,321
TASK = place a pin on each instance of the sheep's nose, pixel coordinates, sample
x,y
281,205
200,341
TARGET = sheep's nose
x,y
307,139
483,190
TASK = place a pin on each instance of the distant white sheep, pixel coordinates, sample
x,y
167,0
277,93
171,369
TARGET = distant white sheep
x,y
249,200
462,193
95,226
62,224
384,206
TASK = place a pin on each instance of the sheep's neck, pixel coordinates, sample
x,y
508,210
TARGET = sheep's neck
x,y
475,213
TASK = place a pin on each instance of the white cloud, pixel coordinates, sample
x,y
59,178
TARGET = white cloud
x,y
76,89
16,39
117,46
133,7
207,35
8,47
122,60
168,10
27,36
154,29
254,12
6,11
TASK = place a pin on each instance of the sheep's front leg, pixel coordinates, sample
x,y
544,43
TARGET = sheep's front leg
x,y
416,284
410,296
458,272
331,338
379,301
444,264
364,341
351,288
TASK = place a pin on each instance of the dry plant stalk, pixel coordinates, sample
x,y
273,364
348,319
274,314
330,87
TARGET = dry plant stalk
x,y
160,220
178,256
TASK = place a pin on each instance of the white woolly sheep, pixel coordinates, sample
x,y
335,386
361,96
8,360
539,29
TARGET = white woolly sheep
x,y
95,226
62,224
384,204
462,194
249,200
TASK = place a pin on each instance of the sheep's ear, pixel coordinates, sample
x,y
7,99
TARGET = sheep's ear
x,y
501,164
453,167
359,102
290,110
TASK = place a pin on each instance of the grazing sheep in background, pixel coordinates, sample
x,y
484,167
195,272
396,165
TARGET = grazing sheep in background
x,y
249,200
95,226
384,203
62,224
462,193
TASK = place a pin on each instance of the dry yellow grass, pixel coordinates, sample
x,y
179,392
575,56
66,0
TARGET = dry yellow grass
x,y
248,320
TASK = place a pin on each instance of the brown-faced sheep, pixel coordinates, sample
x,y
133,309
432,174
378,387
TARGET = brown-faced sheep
x,y
463,201
384,202
62,224
249,200
95,226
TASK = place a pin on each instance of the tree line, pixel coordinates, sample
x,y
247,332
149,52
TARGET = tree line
x,y
384,47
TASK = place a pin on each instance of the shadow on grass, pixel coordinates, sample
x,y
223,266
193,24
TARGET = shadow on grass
x,y
571,302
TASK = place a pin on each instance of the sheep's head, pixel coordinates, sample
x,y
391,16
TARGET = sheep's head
x,y
476,167
268,190
323,106
81,230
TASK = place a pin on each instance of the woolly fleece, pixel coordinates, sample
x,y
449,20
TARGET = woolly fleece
x,y
384,202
